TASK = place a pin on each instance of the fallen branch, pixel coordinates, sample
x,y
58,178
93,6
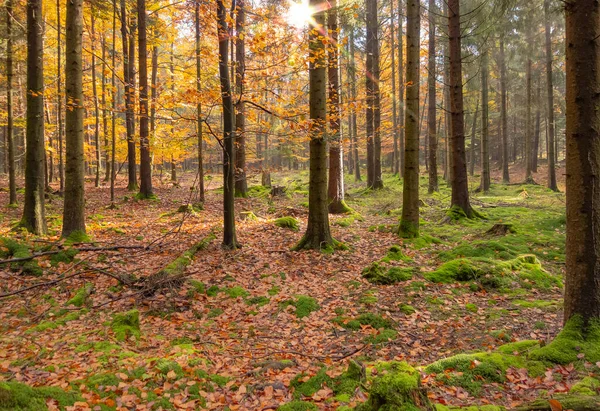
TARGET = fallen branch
x,y
36,255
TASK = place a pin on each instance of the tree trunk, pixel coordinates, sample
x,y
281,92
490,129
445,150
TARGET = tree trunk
x,y
335,189
34,217
485,154
172,69
59,99
154,87
536,133
503,113
401,88
582,288
95,98
460,188
431,110
74,206
229,237
9,137
550,90
377,179
353,95
473,139
528,119
394,111
409,223
199,104
145,159
105,113
317,234
371,6
447,104
113,171
241,185
129,79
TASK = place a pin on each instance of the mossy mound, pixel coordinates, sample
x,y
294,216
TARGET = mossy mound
x,y
15,396
525,270
77,237
587,386
422,241
61,318
573,402
82,295
307,387
395,253
126,324
65,256
440,407
396,386
14,249
288,222
191,208
258,191
487,249
376,273
573,343
236,291
304,305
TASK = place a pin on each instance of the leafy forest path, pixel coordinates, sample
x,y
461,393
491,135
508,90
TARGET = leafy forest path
x,y
249,328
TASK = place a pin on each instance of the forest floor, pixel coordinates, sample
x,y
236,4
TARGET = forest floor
x,y
261,326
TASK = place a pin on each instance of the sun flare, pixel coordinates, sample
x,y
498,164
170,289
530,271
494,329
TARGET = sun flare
x,y
299,13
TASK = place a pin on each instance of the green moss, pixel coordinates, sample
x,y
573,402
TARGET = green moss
x,y
407,229
77,237
260,301
287,222
308,387
471,307
14,249
382,337
378,274
126,324
82,295
422,241
164,366
396,387
15,396
304,305
536,303
237,291
575,342
213,290
62,317
487,249
395,253
345,385
258,191
273,290
407,309
65,256
298,406
369,297
374,320
199,286
220,380
215,312
587,386
141,196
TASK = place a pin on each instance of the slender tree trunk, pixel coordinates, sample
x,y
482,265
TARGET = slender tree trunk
x,y
145,158
95,98
528,119
485,154
336,153
503,113
229,236
317,234
473,139
550,90
582,288
395,153
34,217
371,44
74,206
105,113
199,104
129,79
401,88
536,133
447,104
59,99
460,188
241,185
431,111
154,90
113,148
9,137
353,94
377,178
409,223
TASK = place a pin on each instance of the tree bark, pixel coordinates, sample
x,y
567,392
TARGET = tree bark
x,y
127,32
74,206
59,99
447,104
105,113
371,10
241,185
229,236
145,159
95,98
34,216
473,139
395,153
9,137
431,110
317,234
485,154
199,104
335,189
401,89
353,95
113,148
582,288
528,119
460,188
550,90
409,223
503,113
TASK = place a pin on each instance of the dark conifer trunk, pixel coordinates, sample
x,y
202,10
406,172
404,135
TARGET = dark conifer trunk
x,y
74,206
431,110
485,154
145,159
503,113
550,90
9,137
34,216
96,104
113,148
353,119
401,89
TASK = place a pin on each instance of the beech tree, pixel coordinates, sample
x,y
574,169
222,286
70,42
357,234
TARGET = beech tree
x,y
74,206
34,214
199,105
318,234
241,185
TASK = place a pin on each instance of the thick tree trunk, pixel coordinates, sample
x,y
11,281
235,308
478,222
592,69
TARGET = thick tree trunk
x,y
485,154
447,105
431,110
229,237
503,113
401,89
409,223
460,188
59,99
241,185
96,105
145,159
317,234
582,288
199,104
9,137
395,154
74,206
154,88
34,216
335,189
550,90
127,33
353,95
